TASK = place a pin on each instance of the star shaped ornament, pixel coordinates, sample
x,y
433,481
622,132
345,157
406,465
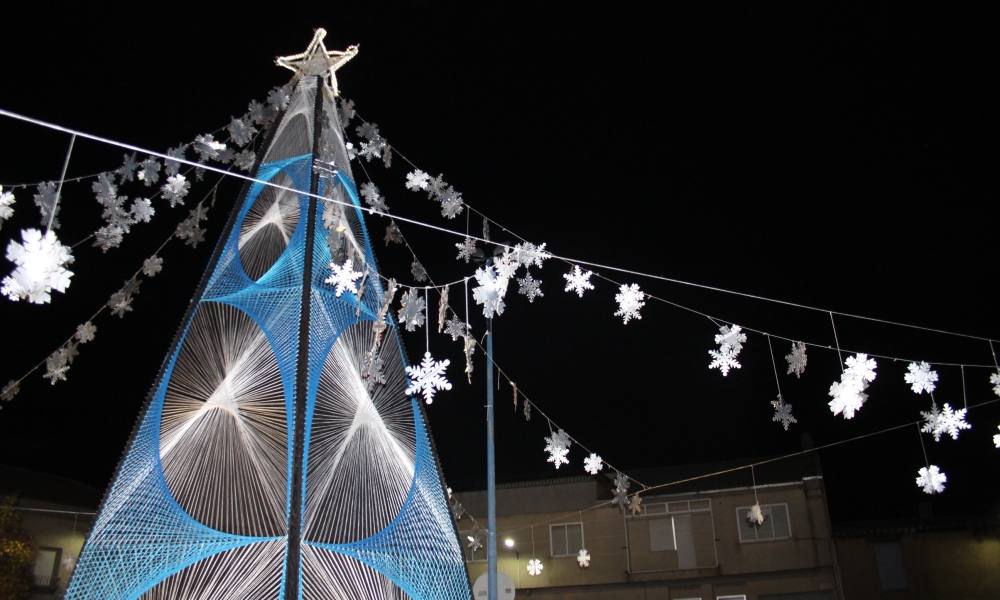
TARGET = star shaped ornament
x,y
317,60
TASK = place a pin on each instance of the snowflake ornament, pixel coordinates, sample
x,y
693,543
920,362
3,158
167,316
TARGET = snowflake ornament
x,y
120,302
85,332
490,291
373,198
530,287
40,267
583,558
6,205
931,479
207,148
946,420
245,160
416,180
534,567
755,516
151,266
557,446
730,341
45,200
468,348
12,388
455,327
418,271
995,381
343,277
240,132
392,234
175,189
451,205
783,413
630,300
635,505
593,464
411,311
528,254
473,542
142,210
620,490
920,377
996,438
797,359
578,281
849,393
190,229
428,377
108,237
57,365
466,249
126,172
149,171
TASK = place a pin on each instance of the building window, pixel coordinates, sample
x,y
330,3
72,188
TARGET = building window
x,y
889,560
566,538
776,524
471,555
46,569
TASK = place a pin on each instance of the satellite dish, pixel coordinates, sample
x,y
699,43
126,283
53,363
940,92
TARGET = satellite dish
x,y
505,588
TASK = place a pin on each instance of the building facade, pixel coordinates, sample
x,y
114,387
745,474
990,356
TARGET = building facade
x,y
692,543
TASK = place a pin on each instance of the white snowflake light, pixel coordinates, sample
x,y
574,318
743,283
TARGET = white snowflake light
x,y
920,377
427,378
578,281
175,189
85,332
593,464
783,413
931,479
797,359
466,249
849,393
528,254
490,291
534,567
583,558
206,146
417,180
6,205
530,287
39,267
730,341
557,445
946,420
343,277
630,300
995,381
455,327
755,516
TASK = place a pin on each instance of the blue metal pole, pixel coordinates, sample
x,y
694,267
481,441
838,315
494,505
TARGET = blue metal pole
x,y
491,491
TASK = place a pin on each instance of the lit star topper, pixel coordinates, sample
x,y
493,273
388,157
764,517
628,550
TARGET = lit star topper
x,y
316,60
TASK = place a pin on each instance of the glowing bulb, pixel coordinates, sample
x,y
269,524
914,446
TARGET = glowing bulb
x,y
509,542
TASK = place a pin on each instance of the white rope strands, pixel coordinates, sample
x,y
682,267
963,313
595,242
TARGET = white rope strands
x,y
252,571
267,228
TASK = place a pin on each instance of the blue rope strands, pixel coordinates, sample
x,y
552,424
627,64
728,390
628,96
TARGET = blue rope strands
x,y
201,504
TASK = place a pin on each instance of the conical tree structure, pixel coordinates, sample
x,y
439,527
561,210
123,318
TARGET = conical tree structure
x,y
277,457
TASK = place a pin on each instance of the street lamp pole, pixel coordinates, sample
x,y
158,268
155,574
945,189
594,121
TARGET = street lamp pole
x,y
491,492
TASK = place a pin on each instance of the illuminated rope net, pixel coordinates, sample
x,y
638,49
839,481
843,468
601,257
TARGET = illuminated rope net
x,y
201,503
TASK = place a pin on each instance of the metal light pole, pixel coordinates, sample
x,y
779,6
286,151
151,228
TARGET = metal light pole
x,y
491,492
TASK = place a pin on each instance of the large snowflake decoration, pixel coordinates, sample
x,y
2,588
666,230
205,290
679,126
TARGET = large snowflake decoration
x,y
920,377
557,446
245,160
40,267
755,516
455,327
411,311
931,479
57,365
593,464
175,189
630,300
142,210
428,377
466,249
783,412
849,393
149,171
730,341
946,420
797,359
6,205
534,567
45,200
490,291
530,287
451,205
528,254
416,180
583,558
995,381
578,281
620,490
207,148
996,438
343,277
240,132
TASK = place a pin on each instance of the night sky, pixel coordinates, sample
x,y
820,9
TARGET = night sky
x,y
833,156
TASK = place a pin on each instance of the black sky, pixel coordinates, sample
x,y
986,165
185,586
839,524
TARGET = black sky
x,y
835,155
